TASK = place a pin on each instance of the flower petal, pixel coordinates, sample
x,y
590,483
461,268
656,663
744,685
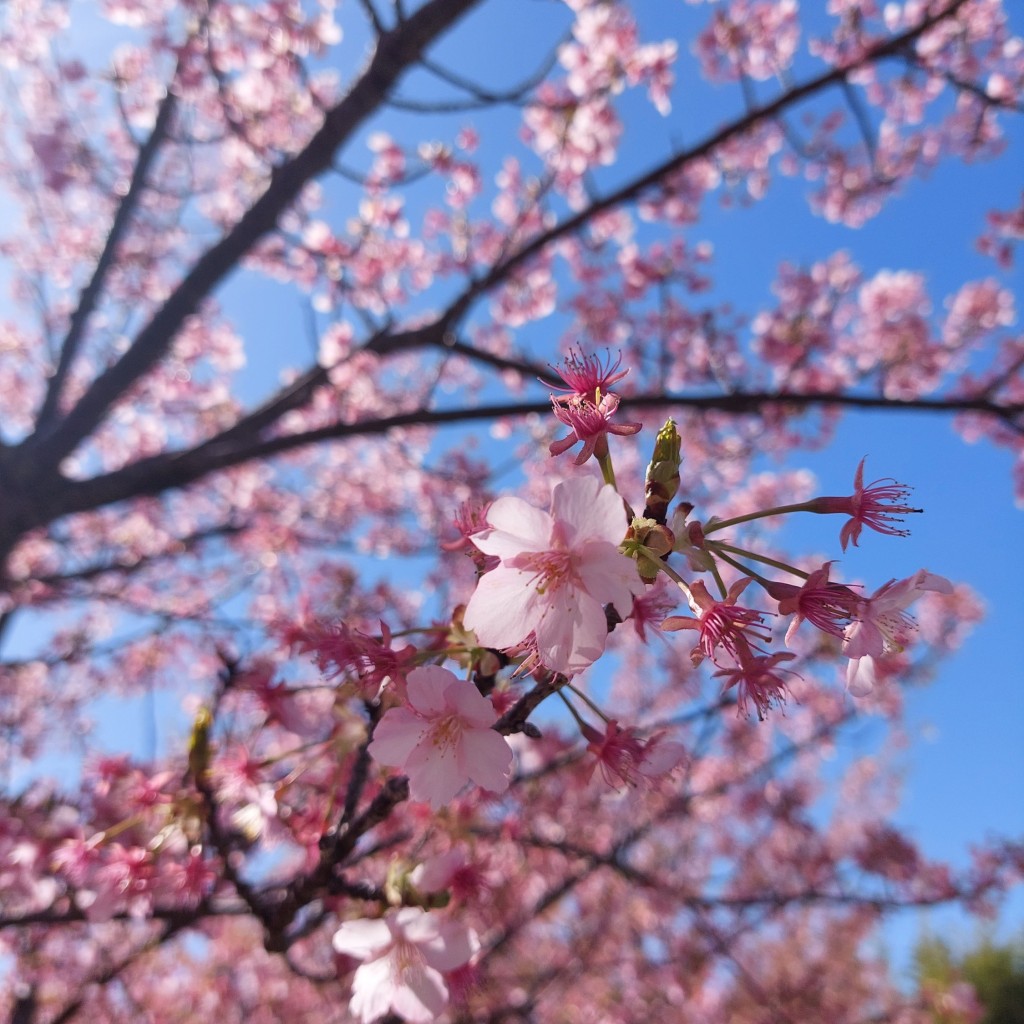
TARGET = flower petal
x,y
501,611
426,687
516,526
363,938
486,758
861,676
609,576
434,775
571,633
591,509
396,735
455,945
372,990
422,995
475,710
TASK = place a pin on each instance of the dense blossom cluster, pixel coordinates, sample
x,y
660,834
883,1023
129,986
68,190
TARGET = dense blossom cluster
x,y
554,588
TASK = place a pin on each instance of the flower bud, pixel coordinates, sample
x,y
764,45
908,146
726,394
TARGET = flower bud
x,y
663,473
648,542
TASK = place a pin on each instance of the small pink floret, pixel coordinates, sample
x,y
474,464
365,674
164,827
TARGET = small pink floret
x,y
590,424
882,626
758,680
587,406
879,506
724,627
826,606
443,739
624,757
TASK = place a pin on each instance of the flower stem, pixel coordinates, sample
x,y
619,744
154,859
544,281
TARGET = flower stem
x,y
721,548
568,703
590,704
675,577
604,460
779,510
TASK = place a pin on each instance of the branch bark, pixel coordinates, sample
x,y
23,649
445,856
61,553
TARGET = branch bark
x,y
173,470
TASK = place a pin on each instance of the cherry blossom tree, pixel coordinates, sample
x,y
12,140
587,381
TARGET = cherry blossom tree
x,y
449,713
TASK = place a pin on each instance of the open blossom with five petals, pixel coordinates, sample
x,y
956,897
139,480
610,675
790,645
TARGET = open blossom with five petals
x,y
443,739
404,954
882,626
558,570
879,506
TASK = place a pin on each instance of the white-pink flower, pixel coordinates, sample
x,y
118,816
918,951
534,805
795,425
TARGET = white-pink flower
x,y
882,626
557,573
443,739
403,956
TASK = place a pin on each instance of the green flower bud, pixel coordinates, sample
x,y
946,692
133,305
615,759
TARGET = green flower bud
x,y
663,473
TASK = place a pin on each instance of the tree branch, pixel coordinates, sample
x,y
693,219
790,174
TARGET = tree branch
x,y
397,50
172,470
638,186
91,293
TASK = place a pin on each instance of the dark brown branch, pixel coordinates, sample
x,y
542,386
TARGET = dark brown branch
x,y
632,191
439,332
479,96
372,16
515,719
241,442
397,50
168,471
90,296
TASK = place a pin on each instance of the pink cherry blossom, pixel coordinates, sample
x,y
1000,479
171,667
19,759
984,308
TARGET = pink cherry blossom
x,y
558,571
651,607
827,606
724,627
879,506
624,757
403,956
341,651
443,739
882,626
587,377
588,406
590,424
758,680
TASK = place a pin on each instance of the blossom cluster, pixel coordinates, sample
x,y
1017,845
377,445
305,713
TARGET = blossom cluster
x,y
559,572
551,586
